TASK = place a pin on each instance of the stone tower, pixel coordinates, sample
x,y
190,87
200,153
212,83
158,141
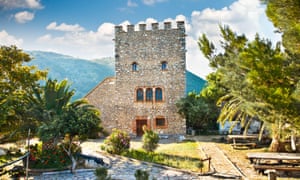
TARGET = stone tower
x,y
150,79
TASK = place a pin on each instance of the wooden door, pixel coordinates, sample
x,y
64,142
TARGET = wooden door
x,y
139,126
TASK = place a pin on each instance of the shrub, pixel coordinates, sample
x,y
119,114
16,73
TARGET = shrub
x,y
118,142
150,140
48,158
141,174
102,174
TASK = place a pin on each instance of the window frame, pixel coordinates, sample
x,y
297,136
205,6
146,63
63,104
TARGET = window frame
x,y
161,126
159,95
149,91
134,66
137,95
164,65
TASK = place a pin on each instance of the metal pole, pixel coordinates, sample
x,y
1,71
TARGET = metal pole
x,y
27,159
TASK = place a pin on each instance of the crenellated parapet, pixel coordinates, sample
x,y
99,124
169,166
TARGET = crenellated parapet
x,y
154,27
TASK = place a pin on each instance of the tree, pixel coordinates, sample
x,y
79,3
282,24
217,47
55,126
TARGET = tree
x,y
63,121
258,79
79,121
150,139
17,82
285,15
199,111
47,105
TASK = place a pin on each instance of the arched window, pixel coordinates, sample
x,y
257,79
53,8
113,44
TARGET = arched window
x,y
149,94
139,95
134,66
164,65
158,94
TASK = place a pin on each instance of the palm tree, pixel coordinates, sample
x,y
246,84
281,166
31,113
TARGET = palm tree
x,y
62,120
47,105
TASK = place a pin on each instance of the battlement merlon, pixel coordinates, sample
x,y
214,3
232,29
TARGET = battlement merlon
x,y
155,26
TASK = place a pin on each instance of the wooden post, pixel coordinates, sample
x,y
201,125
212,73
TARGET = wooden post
x,y
271,174
27,158
209,158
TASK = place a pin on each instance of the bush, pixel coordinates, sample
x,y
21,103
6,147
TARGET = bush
x,y
118,142
141,174
102,174
48,158
150,140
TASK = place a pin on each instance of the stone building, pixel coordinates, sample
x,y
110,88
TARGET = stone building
x,y
150,79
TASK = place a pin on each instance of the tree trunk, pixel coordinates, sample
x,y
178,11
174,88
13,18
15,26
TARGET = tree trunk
x,y
275,144
74,164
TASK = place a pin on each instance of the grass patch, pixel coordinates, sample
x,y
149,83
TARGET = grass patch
x,y
183,155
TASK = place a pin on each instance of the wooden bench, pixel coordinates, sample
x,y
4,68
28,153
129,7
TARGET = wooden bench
x,y
286,168
243,145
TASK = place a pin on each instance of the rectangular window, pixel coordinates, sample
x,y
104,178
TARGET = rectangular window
x,y
160,122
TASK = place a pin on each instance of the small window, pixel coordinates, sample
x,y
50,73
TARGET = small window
x,y
160,122
139,95
158,94
164,65
149,94
134,66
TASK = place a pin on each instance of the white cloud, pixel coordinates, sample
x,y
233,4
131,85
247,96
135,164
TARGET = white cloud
x,y
84,44
24,16
130,3
34,4
243,16
64,27
7,40
13,4
152,2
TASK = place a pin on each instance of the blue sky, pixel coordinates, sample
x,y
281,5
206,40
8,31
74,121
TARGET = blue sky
x,y
85,28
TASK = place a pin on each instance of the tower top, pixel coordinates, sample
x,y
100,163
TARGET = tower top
x,y
154,27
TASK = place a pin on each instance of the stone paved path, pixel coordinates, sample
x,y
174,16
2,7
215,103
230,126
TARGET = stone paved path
x,y
221,164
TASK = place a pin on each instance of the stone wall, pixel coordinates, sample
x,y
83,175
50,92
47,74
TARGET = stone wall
x,y
148,49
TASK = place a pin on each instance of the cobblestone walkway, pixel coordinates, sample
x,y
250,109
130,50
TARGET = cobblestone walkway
x,y
222,165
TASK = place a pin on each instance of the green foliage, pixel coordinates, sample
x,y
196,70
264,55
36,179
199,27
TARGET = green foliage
x,y
200,112
150,140
141,174
54,157
17,82
285,15
60,118
102,174
118,142
259,82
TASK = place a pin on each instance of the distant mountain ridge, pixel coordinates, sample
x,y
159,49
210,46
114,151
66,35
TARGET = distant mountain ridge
x,y
84,74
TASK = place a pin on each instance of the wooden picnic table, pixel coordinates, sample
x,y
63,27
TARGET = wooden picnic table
x,y
273,156
250,140
263,161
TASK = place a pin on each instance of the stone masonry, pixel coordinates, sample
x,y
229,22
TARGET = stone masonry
x,y
150,79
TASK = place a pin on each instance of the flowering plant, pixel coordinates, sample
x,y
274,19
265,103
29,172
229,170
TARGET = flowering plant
x,y
118,142
54,157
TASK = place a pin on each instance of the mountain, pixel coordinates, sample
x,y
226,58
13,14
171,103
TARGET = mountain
x,y
194,82
84,74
